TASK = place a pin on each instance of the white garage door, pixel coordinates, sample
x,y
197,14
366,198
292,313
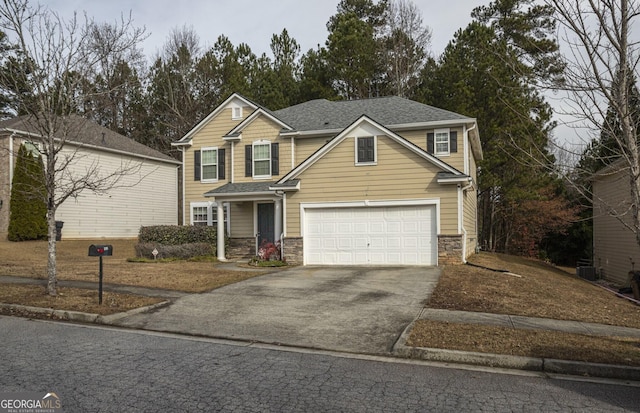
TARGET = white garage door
x,y
404,235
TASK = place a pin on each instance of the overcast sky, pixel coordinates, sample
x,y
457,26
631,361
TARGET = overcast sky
x,y
254,21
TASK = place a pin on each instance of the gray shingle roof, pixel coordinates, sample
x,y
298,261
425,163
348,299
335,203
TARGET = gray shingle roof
x,y
241,188
322,114
251,187
84,131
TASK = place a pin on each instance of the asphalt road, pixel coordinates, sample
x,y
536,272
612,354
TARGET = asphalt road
x,y
96,369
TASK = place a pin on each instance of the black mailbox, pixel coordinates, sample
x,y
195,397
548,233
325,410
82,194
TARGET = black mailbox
x,y
100,250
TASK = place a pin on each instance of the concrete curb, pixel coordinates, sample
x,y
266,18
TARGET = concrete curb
x,y
81,317
551,366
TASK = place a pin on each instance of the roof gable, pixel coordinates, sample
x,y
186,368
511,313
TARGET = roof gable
x,y
256,113
231,100
362,127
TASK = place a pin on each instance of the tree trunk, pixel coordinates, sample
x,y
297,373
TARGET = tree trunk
x,y
52,283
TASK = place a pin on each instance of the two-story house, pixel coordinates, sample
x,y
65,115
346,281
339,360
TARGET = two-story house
x,y
362,182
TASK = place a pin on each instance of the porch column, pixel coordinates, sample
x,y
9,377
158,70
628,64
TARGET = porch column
x,y
277,210
220,230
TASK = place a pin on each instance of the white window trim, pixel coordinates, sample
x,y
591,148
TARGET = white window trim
x,y
375,151
253,158
194,205
211,208
435,142
202,178
236,112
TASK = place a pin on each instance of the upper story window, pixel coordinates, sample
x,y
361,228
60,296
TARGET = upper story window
x,y
262,159
236,112
365,150
442,142
209,164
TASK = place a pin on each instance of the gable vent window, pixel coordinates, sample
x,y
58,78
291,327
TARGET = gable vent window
x,y
365,150
442,142
236,113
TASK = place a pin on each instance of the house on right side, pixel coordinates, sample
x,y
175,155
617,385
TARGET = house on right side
x,y
615,249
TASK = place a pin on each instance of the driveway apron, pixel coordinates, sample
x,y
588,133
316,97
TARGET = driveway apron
x,y
353,309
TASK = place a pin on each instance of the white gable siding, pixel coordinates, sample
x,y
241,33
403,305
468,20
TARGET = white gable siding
x,y
148,197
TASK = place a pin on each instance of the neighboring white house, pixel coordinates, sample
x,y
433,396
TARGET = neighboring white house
x,y
147,197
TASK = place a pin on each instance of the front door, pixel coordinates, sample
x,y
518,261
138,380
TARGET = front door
x,y
266,223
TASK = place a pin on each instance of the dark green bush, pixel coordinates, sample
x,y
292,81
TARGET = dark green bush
x,y
184,251
178,234
28,209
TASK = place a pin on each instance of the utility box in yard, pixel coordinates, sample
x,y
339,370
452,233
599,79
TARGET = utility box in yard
x,y
588,273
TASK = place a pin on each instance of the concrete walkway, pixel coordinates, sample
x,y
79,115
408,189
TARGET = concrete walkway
x,y
528,323
93,285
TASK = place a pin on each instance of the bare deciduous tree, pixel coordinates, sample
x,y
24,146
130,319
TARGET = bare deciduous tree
x,y
601,69
407,41
45,74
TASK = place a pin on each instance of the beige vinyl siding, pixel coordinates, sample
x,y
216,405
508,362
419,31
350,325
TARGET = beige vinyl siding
x,y
209,136
305,147
148,197
470,208
399,174
242,219
419,138
262,129
614,245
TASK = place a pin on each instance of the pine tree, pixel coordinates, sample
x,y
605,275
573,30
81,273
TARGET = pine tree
x,y
28,211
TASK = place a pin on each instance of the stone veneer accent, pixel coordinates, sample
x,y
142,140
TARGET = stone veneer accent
x,y
449,249
294,250
241,248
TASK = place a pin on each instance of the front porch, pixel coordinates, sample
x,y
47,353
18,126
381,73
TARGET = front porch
x,y
254,214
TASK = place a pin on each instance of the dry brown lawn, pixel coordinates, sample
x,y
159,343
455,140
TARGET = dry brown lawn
x,y
72,299
529,343
29,259
541,291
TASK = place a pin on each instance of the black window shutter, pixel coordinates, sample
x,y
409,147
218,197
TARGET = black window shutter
x,y
430,137
248,160
196,165
361,150
370,155
221,165
453,142
275,159
366,150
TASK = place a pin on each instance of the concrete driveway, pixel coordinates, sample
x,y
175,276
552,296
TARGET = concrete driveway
x,y
353,309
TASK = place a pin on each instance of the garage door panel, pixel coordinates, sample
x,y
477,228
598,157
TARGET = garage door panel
x,y
403,235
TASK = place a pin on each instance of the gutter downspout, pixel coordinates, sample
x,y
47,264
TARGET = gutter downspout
x,y
184,186
11,165
279,220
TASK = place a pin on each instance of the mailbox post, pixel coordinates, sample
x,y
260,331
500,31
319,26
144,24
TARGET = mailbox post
x,y
100,251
